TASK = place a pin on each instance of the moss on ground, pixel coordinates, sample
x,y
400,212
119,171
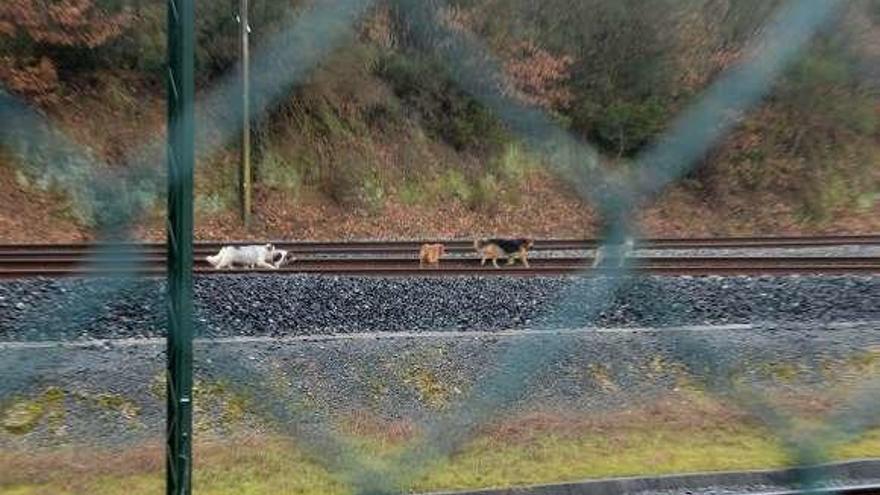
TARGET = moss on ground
x,y
24,415
690,431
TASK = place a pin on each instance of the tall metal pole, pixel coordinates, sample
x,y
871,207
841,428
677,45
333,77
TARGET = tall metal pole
x,y
181,158
245,114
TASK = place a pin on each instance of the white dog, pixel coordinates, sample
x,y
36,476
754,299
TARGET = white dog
x,y
282,257
263,256
613,253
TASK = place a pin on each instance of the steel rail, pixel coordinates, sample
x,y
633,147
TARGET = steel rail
x,y
462,245
73,266
71,260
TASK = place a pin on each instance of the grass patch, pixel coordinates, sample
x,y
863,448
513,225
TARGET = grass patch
x,y
412,193
536,449
277,173
452,185
552,458
222,469
513,164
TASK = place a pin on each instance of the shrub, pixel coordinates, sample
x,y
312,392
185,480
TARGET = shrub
x,y
512,165
211,203
350,182
453,185
411,193
485,194
42,37
622,127
277,173
448,114
372,193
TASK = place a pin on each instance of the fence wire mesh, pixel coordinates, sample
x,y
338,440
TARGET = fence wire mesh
x,y
309,394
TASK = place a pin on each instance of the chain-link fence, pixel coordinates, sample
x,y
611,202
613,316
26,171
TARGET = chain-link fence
x,y
558,397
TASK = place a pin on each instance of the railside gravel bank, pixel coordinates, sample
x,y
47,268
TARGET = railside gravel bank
x,y
257,304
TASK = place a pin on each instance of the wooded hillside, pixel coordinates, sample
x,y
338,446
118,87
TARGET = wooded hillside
x,y
380,140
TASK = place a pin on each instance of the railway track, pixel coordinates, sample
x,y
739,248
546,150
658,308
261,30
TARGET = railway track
x,y
23,266
399,258
392,247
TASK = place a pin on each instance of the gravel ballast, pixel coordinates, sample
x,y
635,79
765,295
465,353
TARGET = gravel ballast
x,y
419,375
266,304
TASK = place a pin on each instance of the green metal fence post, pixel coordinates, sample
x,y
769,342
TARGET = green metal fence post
x,y
181,158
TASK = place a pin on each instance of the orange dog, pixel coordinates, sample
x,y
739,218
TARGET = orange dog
x,y
431,253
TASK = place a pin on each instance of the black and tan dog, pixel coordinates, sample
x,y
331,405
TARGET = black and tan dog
x,y
492,249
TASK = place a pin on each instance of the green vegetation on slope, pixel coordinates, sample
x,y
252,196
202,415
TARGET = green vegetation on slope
x,y
382,121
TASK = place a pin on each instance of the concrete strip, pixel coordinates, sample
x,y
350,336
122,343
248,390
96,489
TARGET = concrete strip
x,y
452,334
747,481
